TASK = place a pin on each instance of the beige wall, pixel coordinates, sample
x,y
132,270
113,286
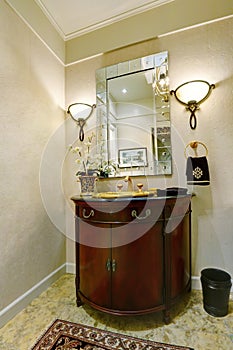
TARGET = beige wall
x,y
34,17
31,109
203,52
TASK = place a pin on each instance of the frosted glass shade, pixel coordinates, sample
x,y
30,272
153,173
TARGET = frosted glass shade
x,y
195,91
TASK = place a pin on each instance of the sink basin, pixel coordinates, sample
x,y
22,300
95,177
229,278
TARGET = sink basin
x,y
123,194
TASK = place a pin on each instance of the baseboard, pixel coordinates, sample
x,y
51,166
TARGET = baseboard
x,y
70,268
20,303
196,283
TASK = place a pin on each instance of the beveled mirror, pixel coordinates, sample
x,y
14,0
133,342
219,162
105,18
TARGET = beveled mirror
x,y
133,116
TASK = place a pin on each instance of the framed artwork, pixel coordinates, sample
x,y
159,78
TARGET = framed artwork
x,y
132,157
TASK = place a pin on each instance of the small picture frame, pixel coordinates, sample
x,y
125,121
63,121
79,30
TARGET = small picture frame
x,y
132,157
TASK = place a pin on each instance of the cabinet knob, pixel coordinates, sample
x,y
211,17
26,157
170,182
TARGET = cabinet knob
x,y
108,265
113,265
92,213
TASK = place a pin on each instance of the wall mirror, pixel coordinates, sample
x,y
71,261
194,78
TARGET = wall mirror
x,y
133,116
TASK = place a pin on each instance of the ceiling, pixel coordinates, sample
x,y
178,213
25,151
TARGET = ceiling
x,y
72,18
75,30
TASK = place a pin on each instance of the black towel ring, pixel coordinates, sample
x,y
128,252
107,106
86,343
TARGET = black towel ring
x,y
194,145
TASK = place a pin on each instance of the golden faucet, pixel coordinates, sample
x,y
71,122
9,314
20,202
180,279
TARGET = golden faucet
x,y
130,183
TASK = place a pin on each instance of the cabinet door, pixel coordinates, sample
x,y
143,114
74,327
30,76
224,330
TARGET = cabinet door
x,y
180,256
137,256
94,256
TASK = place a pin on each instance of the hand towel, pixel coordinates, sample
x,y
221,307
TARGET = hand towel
x,y
197,171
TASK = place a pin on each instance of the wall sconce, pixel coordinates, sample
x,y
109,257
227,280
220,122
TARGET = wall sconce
x,y
80,112
191,95
161,81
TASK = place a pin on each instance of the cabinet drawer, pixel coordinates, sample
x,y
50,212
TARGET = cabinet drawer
x,y
120,212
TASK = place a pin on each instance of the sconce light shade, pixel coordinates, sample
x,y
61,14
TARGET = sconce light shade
x,y
80,110
191,95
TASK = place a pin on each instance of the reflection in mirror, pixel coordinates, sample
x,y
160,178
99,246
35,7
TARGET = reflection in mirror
x,y
133,115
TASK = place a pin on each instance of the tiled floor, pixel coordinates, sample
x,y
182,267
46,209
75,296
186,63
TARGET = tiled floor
x,y
190,326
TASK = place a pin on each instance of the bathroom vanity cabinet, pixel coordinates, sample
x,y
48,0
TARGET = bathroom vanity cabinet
x,y
133,256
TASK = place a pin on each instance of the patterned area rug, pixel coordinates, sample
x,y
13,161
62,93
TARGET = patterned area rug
x,y
64,335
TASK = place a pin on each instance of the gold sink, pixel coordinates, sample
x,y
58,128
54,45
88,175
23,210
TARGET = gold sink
x,y
123,194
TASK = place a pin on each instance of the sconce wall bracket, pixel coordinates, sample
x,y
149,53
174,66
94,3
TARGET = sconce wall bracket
x,y
80,113
192,107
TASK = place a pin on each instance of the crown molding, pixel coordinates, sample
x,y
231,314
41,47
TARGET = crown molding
x,y
101,24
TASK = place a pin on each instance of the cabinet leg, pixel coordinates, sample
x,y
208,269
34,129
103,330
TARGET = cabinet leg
x,y
78,300
166,316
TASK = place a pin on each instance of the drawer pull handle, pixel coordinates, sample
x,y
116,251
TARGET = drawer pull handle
x,y
89,215
134,214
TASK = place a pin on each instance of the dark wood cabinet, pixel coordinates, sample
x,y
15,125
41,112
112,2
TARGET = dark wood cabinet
x,y
133,256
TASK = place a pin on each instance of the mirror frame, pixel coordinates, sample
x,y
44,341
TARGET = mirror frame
x,y
163,159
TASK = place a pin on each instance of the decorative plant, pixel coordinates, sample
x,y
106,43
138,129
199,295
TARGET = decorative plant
x,y
107,168
104,167
84,156
89,161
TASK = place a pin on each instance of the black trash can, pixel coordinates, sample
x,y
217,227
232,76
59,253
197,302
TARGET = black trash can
x,y
216,286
